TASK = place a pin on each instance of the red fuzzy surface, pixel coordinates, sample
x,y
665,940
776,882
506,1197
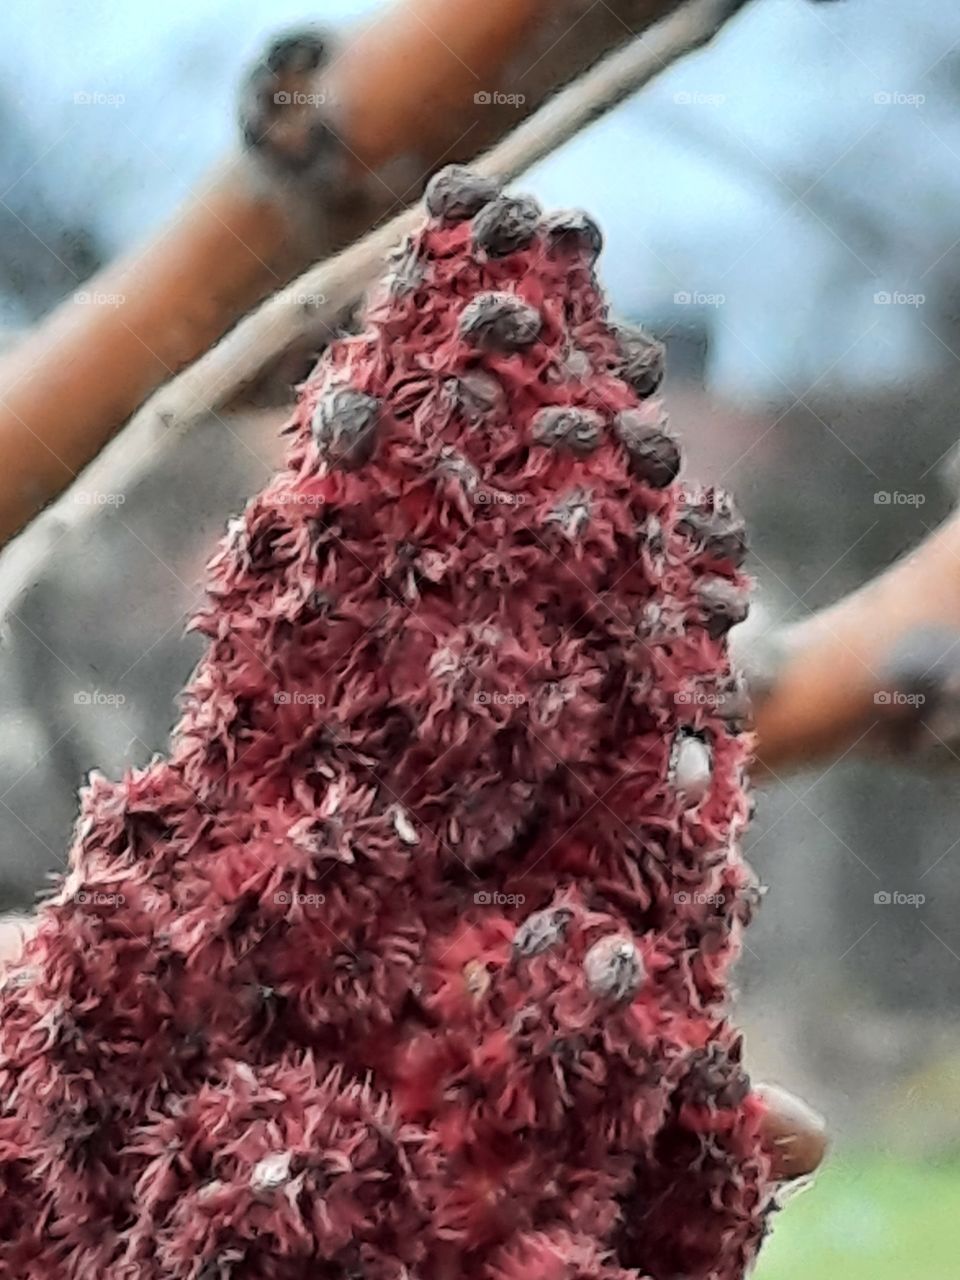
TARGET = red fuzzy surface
x,y
278,1022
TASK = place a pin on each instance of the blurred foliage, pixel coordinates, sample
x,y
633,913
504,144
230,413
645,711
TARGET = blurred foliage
x,y
869,1217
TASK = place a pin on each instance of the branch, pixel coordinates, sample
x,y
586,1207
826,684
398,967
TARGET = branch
x,y
879,669
397,101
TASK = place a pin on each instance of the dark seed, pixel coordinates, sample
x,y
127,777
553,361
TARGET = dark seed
x,y
613,968
574,230
344,425
716,528
724,604
499,322
506,224
654,454
643,360
297,52
456,193
576,429
541,931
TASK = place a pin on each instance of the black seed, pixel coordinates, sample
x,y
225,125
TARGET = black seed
x,y
573,230
506,224
716,528
643,360
456,193
499,322
724,604
344,425
576,429
654,454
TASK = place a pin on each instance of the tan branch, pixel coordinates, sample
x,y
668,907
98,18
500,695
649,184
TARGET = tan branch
x,y
870,669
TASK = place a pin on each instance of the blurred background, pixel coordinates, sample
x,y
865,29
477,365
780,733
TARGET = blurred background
x,y
783,209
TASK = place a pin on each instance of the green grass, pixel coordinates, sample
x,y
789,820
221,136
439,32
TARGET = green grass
x,y
869,1217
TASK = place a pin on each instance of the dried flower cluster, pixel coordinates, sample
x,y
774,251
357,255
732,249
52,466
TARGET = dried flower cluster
x,y
410,962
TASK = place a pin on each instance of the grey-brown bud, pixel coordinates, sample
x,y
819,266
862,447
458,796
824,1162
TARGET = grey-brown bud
x,y
572,230
643,360
576,429
654,454
499,322
344,425
541,931
456,193
716,528
725,604
506,224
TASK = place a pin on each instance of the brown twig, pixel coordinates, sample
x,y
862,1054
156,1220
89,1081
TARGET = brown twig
x,y
398,99
855,673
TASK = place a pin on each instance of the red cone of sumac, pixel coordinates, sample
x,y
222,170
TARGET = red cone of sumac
x,y
410,961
